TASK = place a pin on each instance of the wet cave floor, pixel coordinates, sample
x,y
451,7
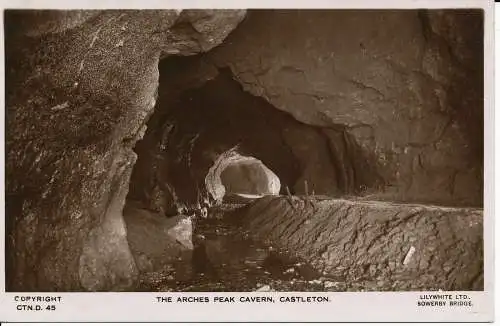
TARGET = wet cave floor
x,y
227,259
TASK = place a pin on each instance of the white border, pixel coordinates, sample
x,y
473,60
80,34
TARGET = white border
x,y
228,4
368,306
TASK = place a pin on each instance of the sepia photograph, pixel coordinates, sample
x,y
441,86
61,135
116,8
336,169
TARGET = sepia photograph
x,y
233,150
244,150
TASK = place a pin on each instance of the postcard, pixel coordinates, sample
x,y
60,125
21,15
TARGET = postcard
x,y
258,161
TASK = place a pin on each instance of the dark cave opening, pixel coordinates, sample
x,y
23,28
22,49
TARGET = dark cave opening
x,y
217,117
325,140
211,147
203,112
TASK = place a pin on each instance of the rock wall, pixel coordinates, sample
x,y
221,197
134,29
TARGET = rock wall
x,y
376,245
394,117
79,89
197,121
385,104
406,84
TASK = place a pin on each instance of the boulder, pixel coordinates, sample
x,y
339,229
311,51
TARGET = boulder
x,y
159,244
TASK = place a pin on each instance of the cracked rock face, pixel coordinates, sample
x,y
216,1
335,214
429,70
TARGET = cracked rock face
x,y
384,105
193,131
407,85
384,117
80,87
346,104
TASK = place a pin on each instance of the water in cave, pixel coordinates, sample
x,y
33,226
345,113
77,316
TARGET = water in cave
x,y
361,154
210,149
219,254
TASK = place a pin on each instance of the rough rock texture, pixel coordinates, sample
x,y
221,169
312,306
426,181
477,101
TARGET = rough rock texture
x,y
159,245
192,129
384,104
407,85
384,117
377,245
79,89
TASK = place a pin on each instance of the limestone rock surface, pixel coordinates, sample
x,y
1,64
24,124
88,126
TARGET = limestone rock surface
x,y
377,245
80,87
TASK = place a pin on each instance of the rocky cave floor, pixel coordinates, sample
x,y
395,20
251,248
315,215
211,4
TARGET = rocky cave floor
x,y
228,259
150,107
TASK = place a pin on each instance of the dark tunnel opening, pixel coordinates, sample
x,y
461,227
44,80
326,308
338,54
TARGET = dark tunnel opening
x,y
264,154
210,148
204,112
217,117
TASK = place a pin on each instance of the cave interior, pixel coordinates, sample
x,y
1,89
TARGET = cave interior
x,y
326,154
207,135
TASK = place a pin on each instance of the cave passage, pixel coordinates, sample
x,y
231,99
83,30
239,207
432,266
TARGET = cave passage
x,y
212,148
201,116
273,139
250,177
235,177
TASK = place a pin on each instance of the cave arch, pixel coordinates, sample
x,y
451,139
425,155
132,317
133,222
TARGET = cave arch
x,y
236,174
332,130
250,177
204,114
